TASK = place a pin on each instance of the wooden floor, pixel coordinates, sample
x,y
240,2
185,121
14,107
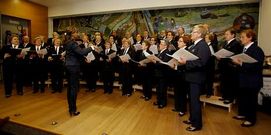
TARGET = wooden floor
x,y
118,115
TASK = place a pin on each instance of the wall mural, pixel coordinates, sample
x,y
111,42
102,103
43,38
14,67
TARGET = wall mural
x,y
218,18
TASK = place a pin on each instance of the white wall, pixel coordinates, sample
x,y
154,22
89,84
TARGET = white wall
x,y
264,36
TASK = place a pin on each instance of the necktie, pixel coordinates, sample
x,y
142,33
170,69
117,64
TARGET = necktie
x,y
244,50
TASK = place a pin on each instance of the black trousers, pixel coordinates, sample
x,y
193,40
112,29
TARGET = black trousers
x,y
161,91
195,105
12,72
229,85
180,94
73,86
108,80
247,103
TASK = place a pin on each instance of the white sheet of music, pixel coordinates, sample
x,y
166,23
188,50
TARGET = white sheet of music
x,y
42,51
154,49
112,55
223,53
114,47
182,53
25,50
90,57
138,47
244,58
125,58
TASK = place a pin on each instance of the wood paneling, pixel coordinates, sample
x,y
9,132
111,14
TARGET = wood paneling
x,y
118,115
27,10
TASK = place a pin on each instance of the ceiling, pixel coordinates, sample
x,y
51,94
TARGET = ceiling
x,y
51,3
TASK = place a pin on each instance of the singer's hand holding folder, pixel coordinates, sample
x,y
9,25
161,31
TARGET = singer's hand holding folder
x,y
244,58
182,53
223,53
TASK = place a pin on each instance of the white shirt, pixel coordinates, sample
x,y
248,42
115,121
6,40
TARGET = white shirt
x,y
247,46
230,41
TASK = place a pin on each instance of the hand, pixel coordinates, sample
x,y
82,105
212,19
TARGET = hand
x,y
237,62
50,58
7,55
182,61
20,56
87,61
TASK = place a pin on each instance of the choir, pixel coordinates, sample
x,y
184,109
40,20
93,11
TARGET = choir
x,y
141,60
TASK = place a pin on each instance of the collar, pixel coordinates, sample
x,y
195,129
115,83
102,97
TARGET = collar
x,y
197,41
230,40
248,45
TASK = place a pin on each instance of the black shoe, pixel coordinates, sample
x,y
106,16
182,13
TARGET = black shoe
x,y
105,92
7,96
187,122
93,90
175,110
227,101
247,124
74,113
142,97
147,98
155,103
161,106
192,129
181,114
109,92
238,117
128,95
221,99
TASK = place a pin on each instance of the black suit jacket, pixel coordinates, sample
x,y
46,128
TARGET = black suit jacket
x,y
250,74
74,53
196,69
225,65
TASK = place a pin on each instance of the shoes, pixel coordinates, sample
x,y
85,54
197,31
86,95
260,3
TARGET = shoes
x,y
128,95
161,106
147,98
174,110
187,122
142,97
92,90
181,114
238,117
192,129
7,95
221,99
208,96
155,103
247,124
74,113
227,101
109,92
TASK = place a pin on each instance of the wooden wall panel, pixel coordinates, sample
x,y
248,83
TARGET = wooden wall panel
x,y
38,14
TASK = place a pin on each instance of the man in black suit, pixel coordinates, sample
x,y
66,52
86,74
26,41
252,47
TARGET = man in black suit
x,y
161,74
195,75
250,79
228,72
11,70
107,71
38,66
